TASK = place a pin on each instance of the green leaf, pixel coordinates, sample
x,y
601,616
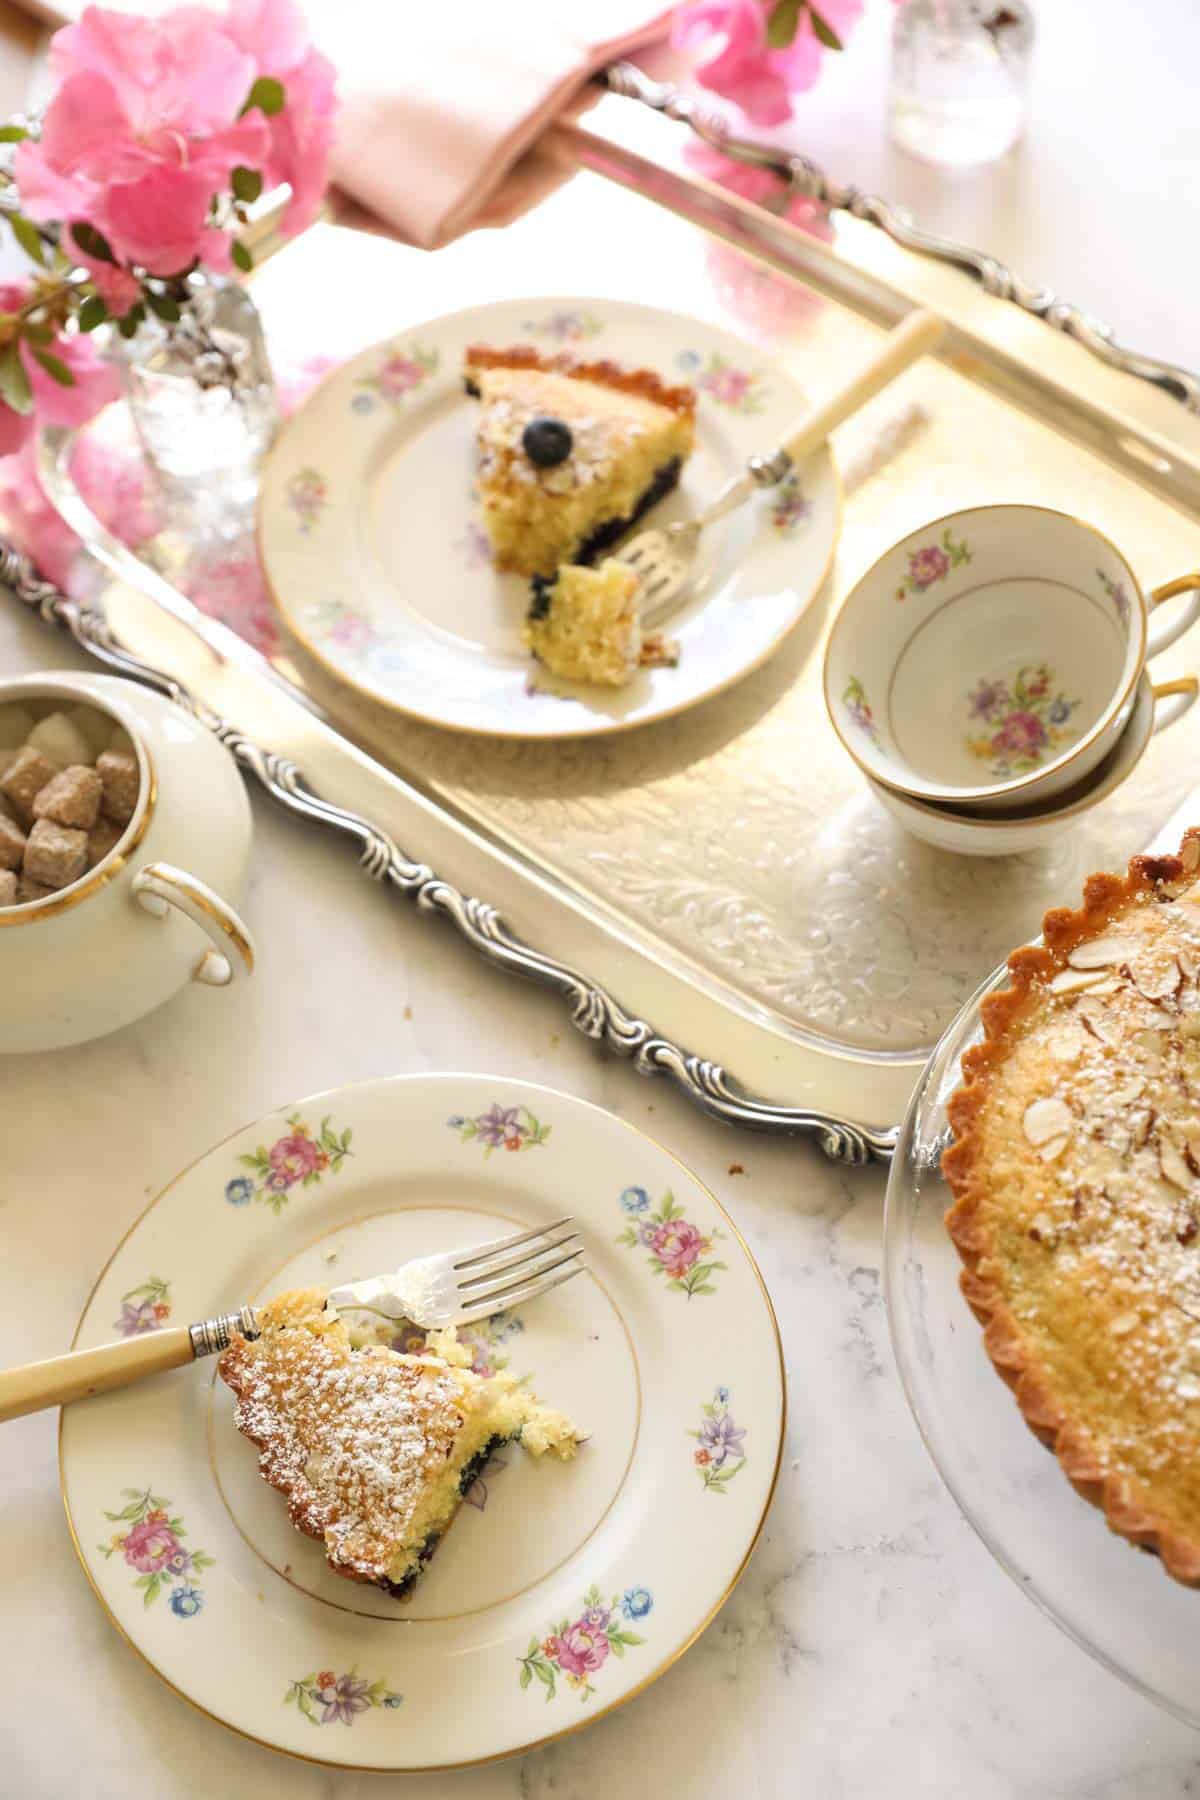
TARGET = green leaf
x,y
617,1644
526,1675
267,94
162,306
823,30
783,23
36,333
29,238
242,258
93,243
151,1594
54,366
247,184
13,134
630,1637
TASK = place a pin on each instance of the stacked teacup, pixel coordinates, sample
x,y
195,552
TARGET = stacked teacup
x,y
989,676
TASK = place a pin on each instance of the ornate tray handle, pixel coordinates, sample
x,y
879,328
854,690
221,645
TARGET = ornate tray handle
x,y
593,1010
808,179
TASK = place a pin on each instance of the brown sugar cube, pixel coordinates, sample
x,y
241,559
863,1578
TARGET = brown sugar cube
x,y
101,838
8,888
119,773
55,855
25,778
71,798
12,844
28,890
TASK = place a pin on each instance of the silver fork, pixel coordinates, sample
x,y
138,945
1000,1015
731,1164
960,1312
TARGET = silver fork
x,y
461,1286
662,559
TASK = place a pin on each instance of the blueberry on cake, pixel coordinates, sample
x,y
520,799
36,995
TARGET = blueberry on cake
x,y
1076,1173
571,453
373,1450
585,625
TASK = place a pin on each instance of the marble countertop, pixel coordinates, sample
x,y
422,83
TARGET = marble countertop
x,y
873,1646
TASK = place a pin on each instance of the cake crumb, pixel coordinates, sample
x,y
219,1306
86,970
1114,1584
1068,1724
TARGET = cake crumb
x,y
408,1012
737,1169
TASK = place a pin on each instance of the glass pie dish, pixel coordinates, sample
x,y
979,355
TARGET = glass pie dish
x,y
1118,1605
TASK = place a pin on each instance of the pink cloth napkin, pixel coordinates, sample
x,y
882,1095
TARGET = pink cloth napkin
x,y
443,99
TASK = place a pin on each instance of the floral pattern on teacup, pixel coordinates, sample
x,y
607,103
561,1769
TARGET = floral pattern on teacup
x,y
151,1544
1027,721
501,1128
740,390
719,1454
678,1249
144,1308
306,496
1118,593
932,563
577,1649
566,327
300,1158
858,707
789,508
326,1698
404,369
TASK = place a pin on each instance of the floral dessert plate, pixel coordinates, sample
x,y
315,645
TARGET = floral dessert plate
x,y
562,1588
374,552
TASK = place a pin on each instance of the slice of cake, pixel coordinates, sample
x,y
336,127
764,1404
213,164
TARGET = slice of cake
x,y
571,453
585,625
373,1450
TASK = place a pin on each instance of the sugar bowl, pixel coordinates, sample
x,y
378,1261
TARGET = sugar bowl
x,y
124,833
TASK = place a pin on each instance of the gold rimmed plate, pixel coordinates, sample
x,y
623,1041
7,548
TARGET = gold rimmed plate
x,y
562,1589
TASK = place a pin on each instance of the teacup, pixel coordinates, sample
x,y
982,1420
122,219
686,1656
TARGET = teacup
x,y
992,658
1155,709
137,927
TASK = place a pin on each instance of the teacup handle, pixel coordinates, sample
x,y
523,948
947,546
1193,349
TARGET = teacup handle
x,y
1171,700
160,886
1165,631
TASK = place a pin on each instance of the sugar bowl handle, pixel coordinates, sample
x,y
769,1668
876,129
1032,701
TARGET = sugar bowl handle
x,y
160,886
1165,631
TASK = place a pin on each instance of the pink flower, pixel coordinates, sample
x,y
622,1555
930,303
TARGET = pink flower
x,y
579,1650
677,1245
143,130
1020,732
116,286
275,33
727,385
95,383
927,566
730,39
292,1158
399,374
150,1546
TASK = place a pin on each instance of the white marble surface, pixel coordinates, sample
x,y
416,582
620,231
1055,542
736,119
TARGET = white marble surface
x,y
873,1646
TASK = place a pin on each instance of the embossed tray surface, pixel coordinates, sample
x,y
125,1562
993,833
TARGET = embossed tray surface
x,y
733,856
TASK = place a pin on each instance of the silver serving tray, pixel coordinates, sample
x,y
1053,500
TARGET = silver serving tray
x,y
726,876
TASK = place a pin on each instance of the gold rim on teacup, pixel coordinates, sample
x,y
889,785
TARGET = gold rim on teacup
x,y
884,670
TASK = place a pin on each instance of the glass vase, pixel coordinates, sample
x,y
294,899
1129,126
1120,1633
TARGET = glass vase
x,y
201,394
960,78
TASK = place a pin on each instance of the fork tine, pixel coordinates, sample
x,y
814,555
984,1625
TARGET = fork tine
x,y
522,1260
511,1284
485,1252
530,1290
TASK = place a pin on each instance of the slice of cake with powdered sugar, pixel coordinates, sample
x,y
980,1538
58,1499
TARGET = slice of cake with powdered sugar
x,y
373,1450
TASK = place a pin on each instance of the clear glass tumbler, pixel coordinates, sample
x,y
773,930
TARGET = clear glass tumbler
x,y
960,78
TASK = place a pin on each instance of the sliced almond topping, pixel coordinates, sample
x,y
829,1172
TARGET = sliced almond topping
x,y
1099,953
1046,1119
1124,1323
1054,1149
1173,1163
1066,1044
1160,983
1075,981
1094,1016
1141,1124
1188,963
1189,856
1150,1043
1126,1095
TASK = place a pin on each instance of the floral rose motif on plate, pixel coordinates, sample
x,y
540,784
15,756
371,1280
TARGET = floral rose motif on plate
x,y
144,1308
404,369
789,508
719,1454
300,1158
932,563
577,1649
854,699
306,496
740,390
678,1249
1024,723
151,1543
326,1698
566,327
501,1128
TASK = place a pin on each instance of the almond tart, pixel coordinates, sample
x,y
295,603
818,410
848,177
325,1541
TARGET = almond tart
x,y
571,453
374,1450
1075,1166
